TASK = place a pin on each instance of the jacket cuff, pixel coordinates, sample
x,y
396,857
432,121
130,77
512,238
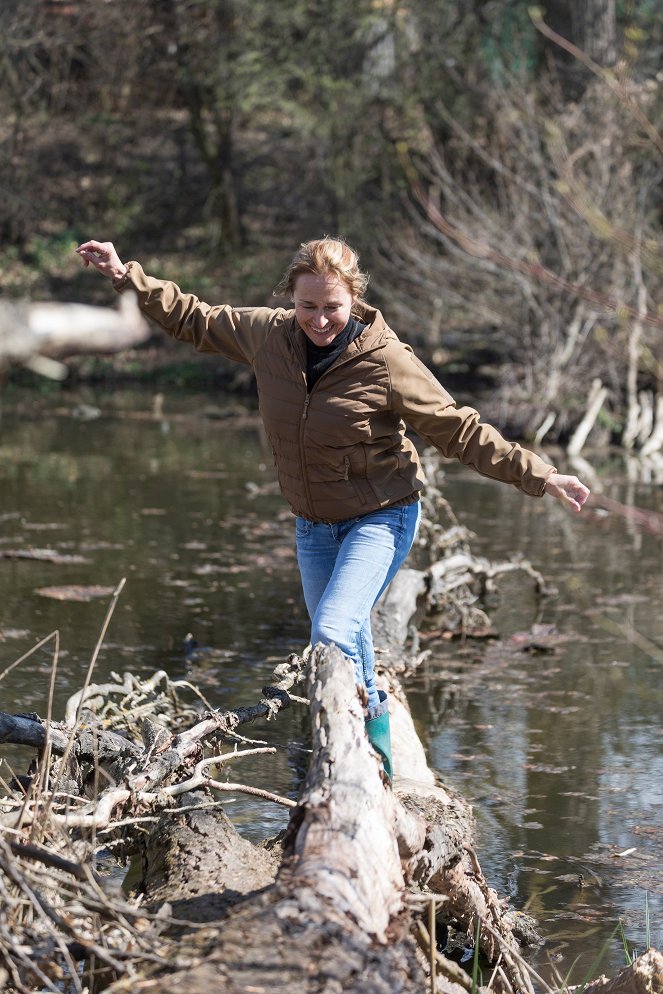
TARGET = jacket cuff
x,y
535,486
122,282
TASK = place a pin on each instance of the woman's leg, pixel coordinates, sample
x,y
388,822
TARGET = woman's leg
x,y
345,568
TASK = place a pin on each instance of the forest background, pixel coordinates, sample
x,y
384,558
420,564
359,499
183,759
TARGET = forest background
x,y
497,166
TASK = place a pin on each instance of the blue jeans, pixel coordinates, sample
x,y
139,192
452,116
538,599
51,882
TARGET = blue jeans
x,y
345,568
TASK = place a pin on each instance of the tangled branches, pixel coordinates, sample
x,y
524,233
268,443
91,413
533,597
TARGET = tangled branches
x,y
91,793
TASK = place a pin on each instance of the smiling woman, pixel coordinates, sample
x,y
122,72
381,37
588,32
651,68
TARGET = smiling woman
x,y
322,307
325,283
337,389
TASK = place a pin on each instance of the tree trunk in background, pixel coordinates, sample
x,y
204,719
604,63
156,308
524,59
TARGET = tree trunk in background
x,y
589,24
595,29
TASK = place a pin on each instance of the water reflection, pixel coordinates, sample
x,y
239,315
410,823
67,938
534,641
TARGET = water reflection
x,y
558,745
561,750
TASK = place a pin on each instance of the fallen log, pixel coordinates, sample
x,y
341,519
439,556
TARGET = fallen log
x,y
349,898
354,851
643,976
335,919
199,866
37,335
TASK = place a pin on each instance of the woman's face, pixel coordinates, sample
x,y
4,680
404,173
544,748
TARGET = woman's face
x,y
322,306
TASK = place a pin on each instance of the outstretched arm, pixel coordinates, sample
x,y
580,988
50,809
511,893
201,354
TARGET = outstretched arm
x,y
235,332
568,489
103,257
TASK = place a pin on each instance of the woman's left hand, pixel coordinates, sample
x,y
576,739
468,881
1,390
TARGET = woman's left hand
x,y
568,489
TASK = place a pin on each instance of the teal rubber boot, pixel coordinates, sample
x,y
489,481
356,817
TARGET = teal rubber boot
x,y
377,729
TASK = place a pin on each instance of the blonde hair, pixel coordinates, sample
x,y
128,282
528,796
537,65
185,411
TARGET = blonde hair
x,y
325,257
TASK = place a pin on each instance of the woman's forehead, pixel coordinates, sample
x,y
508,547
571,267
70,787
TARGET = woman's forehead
x,y
315,286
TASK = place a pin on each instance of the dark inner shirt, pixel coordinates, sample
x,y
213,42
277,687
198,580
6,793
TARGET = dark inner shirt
x,y
320,357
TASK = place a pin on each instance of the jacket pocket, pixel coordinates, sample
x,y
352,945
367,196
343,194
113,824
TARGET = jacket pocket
x,y
347,475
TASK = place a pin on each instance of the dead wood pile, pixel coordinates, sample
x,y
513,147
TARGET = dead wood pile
x,y
351,897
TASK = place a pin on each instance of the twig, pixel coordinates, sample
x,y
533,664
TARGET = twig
x,y
432,943
198,778
44,911
97,648
533,270
114,825
46,753
607,75
48,859
241,788
495,971
529,970
17,662
31,967
86,682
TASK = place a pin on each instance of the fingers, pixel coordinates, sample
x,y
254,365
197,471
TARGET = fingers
x,y
102,250
103,257
572,503
568,489
93,246
576,491
99,250
581,495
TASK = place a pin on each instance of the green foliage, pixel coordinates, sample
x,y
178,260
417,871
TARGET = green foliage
x,y
628,956
211,136
598,959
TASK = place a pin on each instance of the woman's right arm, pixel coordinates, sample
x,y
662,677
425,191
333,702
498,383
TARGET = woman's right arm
x,y
237,333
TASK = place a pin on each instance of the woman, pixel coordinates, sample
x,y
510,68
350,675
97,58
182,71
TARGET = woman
x,y
336,389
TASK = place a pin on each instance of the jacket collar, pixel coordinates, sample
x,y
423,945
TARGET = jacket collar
x,y
373,336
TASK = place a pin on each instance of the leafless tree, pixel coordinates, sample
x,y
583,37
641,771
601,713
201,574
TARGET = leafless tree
x,y
536,237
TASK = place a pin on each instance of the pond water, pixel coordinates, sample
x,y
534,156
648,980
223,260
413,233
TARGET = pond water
x,y
552,732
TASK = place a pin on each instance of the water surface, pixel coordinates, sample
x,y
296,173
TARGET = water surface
x,y
552,732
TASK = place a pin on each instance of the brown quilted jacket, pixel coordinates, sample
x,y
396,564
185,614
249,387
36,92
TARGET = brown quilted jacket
x,y
340,450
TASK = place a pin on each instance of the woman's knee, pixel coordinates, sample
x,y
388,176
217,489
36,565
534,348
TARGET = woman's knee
x,y
328,631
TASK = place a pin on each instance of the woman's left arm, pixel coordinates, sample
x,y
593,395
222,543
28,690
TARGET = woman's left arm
x,y
423,403
568,489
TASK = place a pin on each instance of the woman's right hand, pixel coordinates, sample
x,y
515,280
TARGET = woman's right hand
x,y
103,257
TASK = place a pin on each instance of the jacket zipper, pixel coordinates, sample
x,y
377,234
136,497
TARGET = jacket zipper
x,y
302,429
302,460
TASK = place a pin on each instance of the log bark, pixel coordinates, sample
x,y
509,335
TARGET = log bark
x,y
199,865
28,729
335,918
355,851
643,976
